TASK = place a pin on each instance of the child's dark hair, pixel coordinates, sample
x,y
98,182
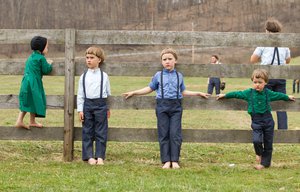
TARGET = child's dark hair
x,y
260,73
38,43
97,51
170,51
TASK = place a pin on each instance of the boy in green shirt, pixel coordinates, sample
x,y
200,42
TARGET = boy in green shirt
x,y
258,99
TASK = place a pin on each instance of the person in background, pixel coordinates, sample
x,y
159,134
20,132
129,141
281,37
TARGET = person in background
x,y
32,96
215,82
274,56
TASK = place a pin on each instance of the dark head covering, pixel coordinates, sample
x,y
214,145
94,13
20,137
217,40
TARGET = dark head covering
x,y
38,43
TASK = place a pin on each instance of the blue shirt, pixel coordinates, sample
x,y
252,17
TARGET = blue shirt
x,y
169,84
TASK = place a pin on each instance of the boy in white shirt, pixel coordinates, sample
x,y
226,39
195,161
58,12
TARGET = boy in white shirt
x,y
93,90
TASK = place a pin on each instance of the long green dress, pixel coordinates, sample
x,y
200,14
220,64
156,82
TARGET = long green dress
x,y
32,96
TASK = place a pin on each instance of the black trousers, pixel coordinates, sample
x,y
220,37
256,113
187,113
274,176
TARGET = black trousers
x,y
263,133
169,115
295,85
94,128
279,85
214,82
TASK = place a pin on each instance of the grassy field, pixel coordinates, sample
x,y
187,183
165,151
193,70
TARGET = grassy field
x,y
38,166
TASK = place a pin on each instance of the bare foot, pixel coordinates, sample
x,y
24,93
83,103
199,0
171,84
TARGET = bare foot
x,y
258,158
100,161
37,125
92,161
259,167
175,165
22,125
167,165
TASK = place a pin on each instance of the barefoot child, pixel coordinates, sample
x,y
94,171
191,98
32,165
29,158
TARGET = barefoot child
x,y
93,90
32,95
170,89
259,108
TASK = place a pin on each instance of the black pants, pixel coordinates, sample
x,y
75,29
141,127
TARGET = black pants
x,y
295,85
279,85
94,128
169,115
214,82
263,133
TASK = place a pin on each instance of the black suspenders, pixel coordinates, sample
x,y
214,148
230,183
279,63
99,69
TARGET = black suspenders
x,y
101,86
162,87
252,100
275,52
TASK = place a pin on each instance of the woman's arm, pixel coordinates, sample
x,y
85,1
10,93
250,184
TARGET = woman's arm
x,y
254,59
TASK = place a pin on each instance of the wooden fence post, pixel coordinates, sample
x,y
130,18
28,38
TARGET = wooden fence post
x,y
69,94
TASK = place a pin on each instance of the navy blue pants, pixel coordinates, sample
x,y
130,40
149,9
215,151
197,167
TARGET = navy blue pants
x,y
94,128
214,82
263,133
295,85
169,115
279,85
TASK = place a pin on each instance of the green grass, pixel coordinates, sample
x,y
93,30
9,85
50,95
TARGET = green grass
x,y
295,61
37,166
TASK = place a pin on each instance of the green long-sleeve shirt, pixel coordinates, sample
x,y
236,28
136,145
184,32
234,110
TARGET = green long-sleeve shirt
x,y
259,99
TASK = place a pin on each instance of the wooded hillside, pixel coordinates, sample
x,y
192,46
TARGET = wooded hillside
x,y
206,15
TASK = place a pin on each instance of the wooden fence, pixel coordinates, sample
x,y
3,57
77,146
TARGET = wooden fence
x,y
71,37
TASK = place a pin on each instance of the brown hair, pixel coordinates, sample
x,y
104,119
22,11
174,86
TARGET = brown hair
x,y
97,51
215,56
273,25
260,73
170,51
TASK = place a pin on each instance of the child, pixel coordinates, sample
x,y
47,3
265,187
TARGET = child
x,y
32,95
93,90
170,89
259,108
215,82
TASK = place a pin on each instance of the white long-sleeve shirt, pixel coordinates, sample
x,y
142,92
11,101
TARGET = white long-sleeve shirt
x,y
266,55
92,87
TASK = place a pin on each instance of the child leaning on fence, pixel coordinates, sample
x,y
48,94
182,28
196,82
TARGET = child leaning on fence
x,y
258,99
32,96
170,89
93,90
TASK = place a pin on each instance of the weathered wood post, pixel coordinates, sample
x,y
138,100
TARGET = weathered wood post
x,y
69,94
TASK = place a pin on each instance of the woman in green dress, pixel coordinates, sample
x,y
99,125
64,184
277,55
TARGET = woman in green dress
x,y
32,96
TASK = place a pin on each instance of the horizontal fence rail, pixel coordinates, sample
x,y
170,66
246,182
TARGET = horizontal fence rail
x,y
16,67
204,39
149,102
147,135
24,36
